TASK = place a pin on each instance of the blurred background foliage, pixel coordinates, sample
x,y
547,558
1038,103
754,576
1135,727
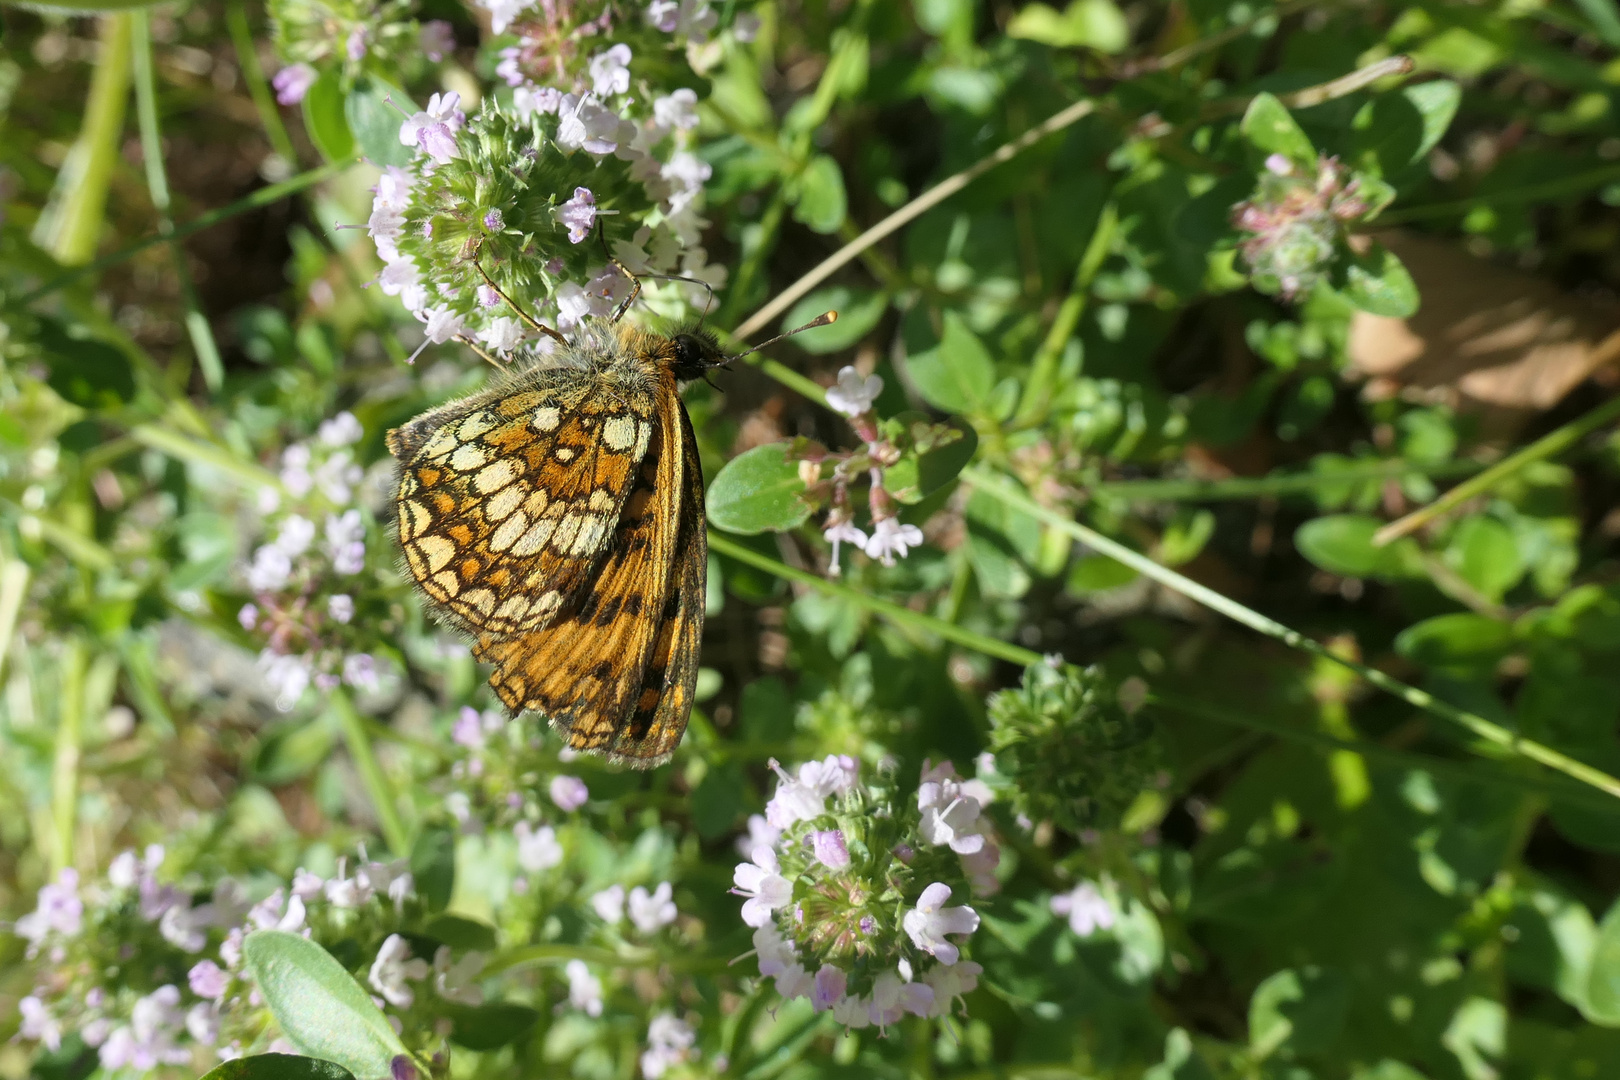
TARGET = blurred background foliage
x,y
1320,881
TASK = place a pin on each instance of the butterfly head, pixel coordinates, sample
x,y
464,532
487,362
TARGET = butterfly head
x,y
695,352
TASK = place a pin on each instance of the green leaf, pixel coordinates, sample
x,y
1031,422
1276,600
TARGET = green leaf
x,y
1189,530
932,458
433,866
1270,129
85,370
326,117
957,375
278,1067
1181,1060
758,491
858,313
293,749
1486,554
1604,19
1378,283
1297,1011
460,932
375,122
1342,544
488,1027
1459,640
819,200
1437,103
1093,24
1603,981
321,1009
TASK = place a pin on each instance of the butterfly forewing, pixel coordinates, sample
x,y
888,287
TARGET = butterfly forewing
x,y
507,504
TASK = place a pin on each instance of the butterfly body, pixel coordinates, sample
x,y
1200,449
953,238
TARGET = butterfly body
x,y
556,517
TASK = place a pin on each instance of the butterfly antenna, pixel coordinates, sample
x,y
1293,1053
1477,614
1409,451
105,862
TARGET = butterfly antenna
x,y
530,320
823,319
635,282
473,345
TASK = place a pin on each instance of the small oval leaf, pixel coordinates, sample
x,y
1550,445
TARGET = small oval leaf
x,y
1269,128
321,1009
278,1067
1462,639
957,375
488,1027
326,118
1378,283
757,492
373,111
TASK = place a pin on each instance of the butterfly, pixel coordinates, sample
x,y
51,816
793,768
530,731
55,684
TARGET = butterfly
x,y
557,518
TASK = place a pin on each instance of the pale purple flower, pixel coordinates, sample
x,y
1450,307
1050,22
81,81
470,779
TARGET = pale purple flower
x,y
585,124
584,989
568,792
360,671
503,12
356,46
839,533
510,70
292,83
270,569
442,324
457,981
208,980
853,1011
761,833
340,607
538,849
949,816
341,430
854,393
394,969
295,470
762,882
1279,165
307,886
890,538
392,878
185,927
347,892
950,983
663,15
393,189
468,730
894,995
803,797
503,334
578,215
929,922
610,71
148,1040
829,847
573,304
1086,909
433,130
676,110
202,1022
652,911
437,40
686,173
494,221
38,1023
687,18
669,1043
829,987
398,276
609,904
297,532
287,677
346,538
529,100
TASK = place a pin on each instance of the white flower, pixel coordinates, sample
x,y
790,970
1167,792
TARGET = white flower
x,y
437,39
676,110
853,1011
746,26
686,173
688,18
804,797
669,1043
762,882
1087,909
528,100
393,189
609,904
502,12
202,1022
890,538
842,532
568,792
948,816
573,304
894,996
651,911
341,430
397,276
287,677
578,214
185,927
610,71
584,989
456,981
360,671
347,892
340,607
57,909
503,334
854,393
208,980
950,983
393,968
305,885
929,922
537,848
442,324
584,123
761,833
38,1023
149,1038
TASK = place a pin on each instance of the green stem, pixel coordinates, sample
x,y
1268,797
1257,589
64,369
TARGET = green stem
x,y
70,225
1246,487
157,183
1478,725
900,616
378,789
195,452
260,198
75,545
65,760
554,954
1568,186
769,223
13,589
1043,369
1554,442
247,58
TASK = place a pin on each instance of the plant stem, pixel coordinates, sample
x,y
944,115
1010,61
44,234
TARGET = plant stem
x,y
901,616
378,790
1251,487
13,589
70,225
1478,725
65,760
196,452
1043,369
157,183
247,58
1554,442
262,197
1548,190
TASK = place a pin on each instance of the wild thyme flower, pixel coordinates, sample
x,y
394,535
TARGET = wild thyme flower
x,y
1086,908
849,903
347,34
1297,222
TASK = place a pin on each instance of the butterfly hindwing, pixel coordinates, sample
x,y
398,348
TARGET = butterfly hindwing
x,y
507,500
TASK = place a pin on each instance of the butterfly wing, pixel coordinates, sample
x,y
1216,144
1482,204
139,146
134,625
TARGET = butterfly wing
x,y
585,670
507,500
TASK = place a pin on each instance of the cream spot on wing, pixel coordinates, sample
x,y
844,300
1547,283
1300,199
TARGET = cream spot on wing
x,y
475,425
443,441
547,418
468,456
601,499
507,535
548,602
643,437
421,517
419,568
567,529
504,501
494,477
592,531
481,599
619,433
535,539
564,454
437,550
448,582
515,607
535,504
